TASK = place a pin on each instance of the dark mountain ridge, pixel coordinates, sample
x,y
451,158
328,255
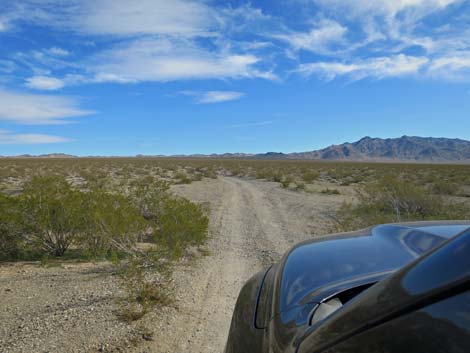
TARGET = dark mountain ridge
x,y
405,148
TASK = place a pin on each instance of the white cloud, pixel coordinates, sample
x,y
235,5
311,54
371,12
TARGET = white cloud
x,y
44,62
123,17
213,96
44,83
161,40
318,39
164,60
386,7
33,11
8,138
327,70
378,68
451,67
388,24
115,17
33,109
58,51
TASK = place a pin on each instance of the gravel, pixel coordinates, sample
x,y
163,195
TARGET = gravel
x,y
61,309
252,224
73,308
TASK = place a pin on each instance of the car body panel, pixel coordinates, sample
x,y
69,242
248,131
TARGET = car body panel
x,y
436,328
440,274
314,271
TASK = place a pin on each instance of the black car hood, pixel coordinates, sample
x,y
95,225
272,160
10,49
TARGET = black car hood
x,y
314,270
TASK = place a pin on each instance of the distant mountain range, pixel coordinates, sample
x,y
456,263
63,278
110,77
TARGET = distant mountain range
x,y
405,148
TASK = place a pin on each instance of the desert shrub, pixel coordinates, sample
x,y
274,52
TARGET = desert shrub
x,y
131,311
55,216
445,187
197,177
175,222
54,213
310,177
286,181
394,200
145,278
96,178
180,224
113,222
262,174
353,179
182,178
278,178
11,226
149,194
209,173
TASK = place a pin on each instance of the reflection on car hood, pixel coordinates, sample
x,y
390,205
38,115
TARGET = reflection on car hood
x,y
369,253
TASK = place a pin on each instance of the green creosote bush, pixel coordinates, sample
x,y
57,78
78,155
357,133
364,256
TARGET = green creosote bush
x,y
182,178
53,213
53,217
445,187
276,177
11,228
209,173
181,224
113,223
393,200
286,181
310,177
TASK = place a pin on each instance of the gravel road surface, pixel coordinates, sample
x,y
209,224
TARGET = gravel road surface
x,y
252,224
72,308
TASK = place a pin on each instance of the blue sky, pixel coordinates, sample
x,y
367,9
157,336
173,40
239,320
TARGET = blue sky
x,y
123,77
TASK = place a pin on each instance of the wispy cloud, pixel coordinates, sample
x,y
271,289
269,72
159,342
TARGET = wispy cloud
x,y
176,17
209,97
165,60
159,41
318,39
44,83
114,17
9,138
378,68
163,41
58,51
254,124
34,109
385,7
144,60
455,67
394,25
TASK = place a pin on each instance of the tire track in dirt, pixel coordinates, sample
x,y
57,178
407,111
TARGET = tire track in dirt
x,y
248,231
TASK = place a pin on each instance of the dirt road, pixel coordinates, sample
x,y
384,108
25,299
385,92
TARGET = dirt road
x,y
252,224
72,307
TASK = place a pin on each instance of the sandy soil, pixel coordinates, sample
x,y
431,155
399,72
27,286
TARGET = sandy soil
x,y
252,223
71,308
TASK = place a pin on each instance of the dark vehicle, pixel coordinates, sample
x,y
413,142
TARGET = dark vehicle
x,y
390,288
